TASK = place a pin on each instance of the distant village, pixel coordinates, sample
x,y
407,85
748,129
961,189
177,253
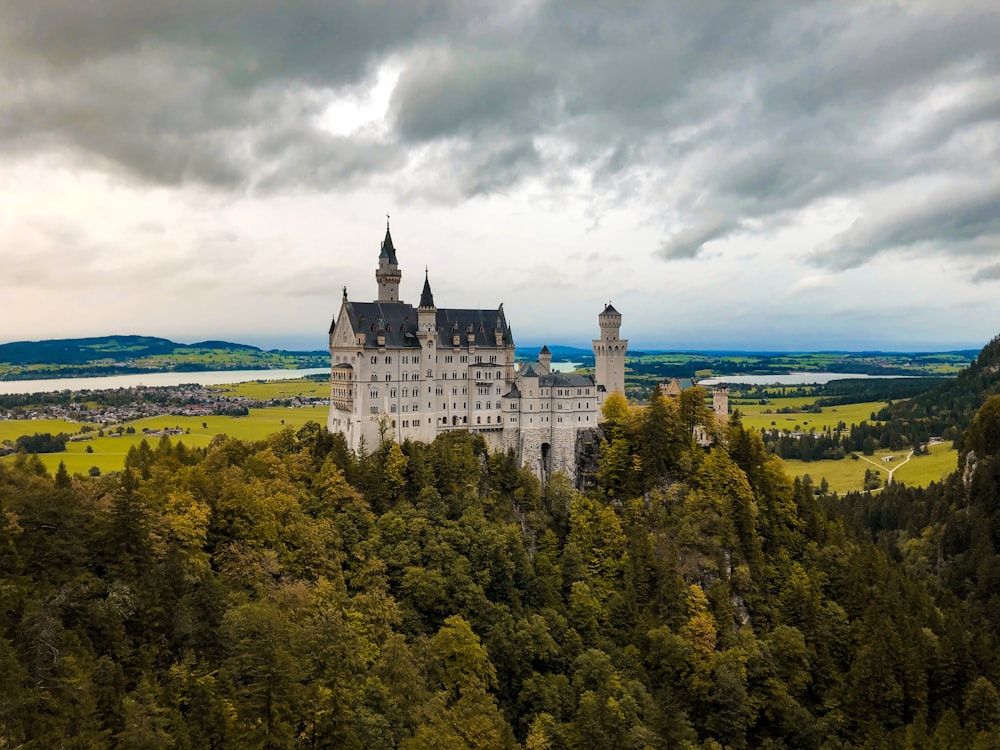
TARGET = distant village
x,y
114,407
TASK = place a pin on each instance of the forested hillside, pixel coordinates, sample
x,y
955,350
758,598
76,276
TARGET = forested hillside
x,y
286,593
948,409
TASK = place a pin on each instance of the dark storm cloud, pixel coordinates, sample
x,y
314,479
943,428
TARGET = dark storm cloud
x,y
711,117
967,220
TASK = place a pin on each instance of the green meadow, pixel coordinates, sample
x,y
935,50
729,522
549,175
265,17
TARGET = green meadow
x,y
847,475
109,452
264,390
755,415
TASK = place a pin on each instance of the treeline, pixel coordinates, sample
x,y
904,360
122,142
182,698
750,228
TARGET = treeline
x,y
866,438
858,390
44,442
288,593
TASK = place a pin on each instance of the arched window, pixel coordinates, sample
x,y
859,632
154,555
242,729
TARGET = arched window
x,y
388,377
374,376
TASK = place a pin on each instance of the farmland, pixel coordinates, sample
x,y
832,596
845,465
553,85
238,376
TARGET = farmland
x,y
109,451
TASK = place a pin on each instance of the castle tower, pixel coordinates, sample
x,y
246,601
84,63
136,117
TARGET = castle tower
x,y
388,275
609,352
544,361
720,402
427,313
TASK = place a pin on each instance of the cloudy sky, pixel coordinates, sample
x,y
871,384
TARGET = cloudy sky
x,y
760,175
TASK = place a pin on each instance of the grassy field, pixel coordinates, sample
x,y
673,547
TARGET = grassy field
x,y
847,475
266,390
109,452
755,416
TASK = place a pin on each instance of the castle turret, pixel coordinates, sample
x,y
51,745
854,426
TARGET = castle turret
x,y
720,402
427,313
544,361
388,275
609,352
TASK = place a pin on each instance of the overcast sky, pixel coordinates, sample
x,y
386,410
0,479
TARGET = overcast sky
x,y
774,176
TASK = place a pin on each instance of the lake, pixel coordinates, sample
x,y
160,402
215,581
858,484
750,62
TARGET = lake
x,y
793,378
213,377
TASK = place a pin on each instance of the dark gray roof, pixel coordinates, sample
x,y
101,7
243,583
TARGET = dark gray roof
x,y
513,392
610,310
544,350
388,251
426,298
566,380
398,322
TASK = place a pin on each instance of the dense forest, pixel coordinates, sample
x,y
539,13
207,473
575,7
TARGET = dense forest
x,y
287,593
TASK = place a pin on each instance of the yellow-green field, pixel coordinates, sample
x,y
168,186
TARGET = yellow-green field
x,y
754,415
109,452
265,390
847,475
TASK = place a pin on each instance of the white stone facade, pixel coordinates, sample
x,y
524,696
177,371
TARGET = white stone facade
x,y
416,372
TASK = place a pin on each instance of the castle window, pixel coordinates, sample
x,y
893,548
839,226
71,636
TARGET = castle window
x,y
374,360
388,360
392,393
430,373
465,420
388,377
416,406
416,422
392,408
374,376
479,405
394,423
464,358
479,420
489,404
498,375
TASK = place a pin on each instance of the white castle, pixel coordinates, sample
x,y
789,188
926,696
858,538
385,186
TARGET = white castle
x,y
404,372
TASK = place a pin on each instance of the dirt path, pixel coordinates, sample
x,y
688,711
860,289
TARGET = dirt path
x,y
885,466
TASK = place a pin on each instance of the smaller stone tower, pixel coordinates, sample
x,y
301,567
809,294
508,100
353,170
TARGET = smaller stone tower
x,y
388,275
610,351
544,361
720,402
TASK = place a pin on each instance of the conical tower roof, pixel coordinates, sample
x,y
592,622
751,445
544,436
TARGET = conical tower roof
x,y
426,298
388,251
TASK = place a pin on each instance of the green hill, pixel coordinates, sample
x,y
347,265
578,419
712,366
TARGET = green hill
x,y
114,355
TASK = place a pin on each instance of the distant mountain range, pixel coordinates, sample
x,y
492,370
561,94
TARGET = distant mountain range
x,y
112,355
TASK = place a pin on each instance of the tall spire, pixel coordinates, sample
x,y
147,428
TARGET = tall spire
x,y
426,298
388,251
